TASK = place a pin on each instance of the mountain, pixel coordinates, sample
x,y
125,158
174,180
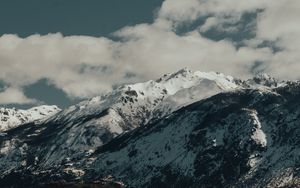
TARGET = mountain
x,y
11,118
186,129
85,126
242,138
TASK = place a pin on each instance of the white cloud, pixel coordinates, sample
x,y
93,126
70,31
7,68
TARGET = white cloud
x,y
189,10
279,23
163,51
218,23
279,20
14,95
86,66
60,59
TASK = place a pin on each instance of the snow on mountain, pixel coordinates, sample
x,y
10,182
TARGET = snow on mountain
x,y
76,133
140,98
136,104
92,123
11,118
240,138
243,138
197,86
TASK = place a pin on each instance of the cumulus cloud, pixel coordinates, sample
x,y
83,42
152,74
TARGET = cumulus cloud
x,y
179,11
85,66
276,25
14,96
60,59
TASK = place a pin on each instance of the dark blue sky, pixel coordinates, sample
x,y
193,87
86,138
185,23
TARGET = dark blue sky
x,y
73,17
70,17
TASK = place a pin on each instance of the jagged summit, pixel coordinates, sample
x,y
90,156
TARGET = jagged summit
x,y
185,72
266,80
10,118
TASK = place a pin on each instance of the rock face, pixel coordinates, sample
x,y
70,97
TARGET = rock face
x,y
11,118
184,130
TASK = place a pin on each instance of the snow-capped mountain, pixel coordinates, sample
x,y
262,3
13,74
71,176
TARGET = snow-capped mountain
x,y
146,134
11,118
243,138
92,123
136,102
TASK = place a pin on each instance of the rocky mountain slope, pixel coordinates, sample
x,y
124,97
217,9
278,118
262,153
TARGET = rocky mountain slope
x,y
85,126
233,139
186,129
11,118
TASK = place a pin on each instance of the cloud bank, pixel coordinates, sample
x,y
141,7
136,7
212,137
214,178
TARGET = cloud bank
x,y
84,66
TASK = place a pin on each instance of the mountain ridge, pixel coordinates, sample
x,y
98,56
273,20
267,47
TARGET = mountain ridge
x,y
11,118
82,142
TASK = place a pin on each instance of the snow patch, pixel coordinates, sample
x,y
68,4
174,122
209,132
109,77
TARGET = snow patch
x,y
258,134
11,118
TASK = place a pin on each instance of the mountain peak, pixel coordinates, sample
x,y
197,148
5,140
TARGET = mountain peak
x,y
12,117
182,73
264,80
263,76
